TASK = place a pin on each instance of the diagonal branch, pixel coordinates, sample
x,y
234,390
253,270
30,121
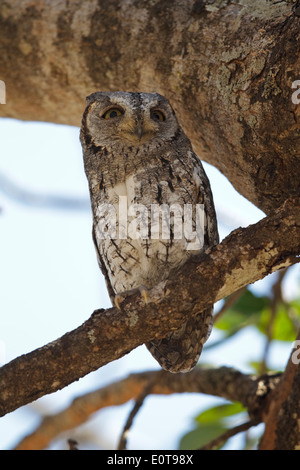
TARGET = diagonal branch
x,y
246,255
218,441
137,406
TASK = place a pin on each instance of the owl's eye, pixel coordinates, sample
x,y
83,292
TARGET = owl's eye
x,y
157,115
112,113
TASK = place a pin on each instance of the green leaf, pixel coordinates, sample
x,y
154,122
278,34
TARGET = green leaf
x,y
217,413
284,328
244,312
201,436
210,424
250,303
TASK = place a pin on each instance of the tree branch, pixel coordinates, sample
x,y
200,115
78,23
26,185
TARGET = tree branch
x,y
137,406
44,201
282,412
228,68
246,255
223,382
218,441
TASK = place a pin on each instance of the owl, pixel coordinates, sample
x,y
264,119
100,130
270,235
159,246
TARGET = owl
x,y
152,206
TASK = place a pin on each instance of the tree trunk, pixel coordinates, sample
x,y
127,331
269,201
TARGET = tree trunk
x,y
227,68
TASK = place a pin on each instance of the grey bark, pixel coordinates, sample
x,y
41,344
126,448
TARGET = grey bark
x,y
227,68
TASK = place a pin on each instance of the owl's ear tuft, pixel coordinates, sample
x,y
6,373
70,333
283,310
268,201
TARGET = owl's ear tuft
x,y
91,98
95,96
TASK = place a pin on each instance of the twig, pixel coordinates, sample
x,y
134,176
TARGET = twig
x,y
137,406
229,433
72,444
229,302
46,201
276,299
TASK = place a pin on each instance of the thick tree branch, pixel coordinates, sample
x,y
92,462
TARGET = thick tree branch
x,y
227,67
223,382
245,256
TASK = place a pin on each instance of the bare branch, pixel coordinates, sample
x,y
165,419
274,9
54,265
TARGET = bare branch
x,y
229,302
72,444
45,201
229,433
137,406
276,300
223,382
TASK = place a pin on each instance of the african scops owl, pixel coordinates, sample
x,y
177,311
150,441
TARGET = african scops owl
x,y
148,192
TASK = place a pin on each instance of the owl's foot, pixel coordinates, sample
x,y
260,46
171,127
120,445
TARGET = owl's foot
x,y
119,298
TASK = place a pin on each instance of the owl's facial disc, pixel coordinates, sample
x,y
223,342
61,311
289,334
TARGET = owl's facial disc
x,y
137,129
132,118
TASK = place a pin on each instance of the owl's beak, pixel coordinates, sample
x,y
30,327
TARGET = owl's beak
x,y
139,131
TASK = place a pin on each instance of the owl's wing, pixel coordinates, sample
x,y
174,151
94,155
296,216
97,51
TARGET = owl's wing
x,y
180,350
204,196
103,268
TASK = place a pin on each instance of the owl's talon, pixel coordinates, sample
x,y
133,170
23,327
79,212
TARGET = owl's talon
x,y
119,298
145,294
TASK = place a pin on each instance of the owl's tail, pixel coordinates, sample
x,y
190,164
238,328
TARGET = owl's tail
x,y
180,350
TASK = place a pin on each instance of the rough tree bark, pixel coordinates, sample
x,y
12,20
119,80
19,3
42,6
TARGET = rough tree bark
x,y
282,413
227,68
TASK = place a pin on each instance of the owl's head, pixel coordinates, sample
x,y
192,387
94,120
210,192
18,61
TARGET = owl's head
x,y
114,118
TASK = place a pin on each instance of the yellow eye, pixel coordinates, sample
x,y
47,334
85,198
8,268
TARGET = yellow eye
x,y
112,113
157,115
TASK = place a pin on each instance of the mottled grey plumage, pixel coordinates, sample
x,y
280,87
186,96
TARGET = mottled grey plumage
x,y
133,146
